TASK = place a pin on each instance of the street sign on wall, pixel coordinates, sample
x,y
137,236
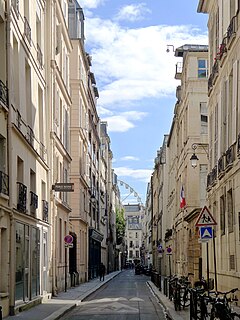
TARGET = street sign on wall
x,y
63,187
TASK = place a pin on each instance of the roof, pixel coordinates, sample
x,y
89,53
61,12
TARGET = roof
x,y
190,48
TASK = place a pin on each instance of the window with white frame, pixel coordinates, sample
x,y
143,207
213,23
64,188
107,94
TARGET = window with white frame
x,y
202,68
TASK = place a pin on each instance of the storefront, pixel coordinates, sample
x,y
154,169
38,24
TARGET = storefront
x,y
95,239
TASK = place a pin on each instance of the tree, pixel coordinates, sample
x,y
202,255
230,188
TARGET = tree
x,y
120,225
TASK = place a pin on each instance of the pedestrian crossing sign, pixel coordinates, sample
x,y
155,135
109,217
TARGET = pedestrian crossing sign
x,y
205,218
206,233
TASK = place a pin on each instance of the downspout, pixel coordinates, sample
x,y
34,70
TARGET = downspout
x,y
10,162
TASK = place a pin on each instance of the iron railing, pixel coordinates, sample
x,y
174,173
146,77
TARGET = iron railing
x,y
22,197
4,183
45,210
3,93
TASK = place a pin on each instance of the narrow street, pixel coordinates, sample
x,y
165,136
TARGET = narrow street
x,y
126,297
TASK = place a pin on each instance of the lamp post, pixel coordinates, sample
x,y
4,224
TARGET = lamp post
x,y
194,158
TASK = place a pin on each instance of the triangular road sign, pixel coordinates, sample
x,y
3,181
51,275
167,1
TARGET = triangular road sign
x,y
205,218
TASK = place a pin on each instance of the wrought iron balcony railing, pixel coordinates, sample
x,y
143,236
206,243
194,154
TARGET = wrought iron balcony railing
x,y
3,93
39,55
4,183
27,30
45,210
238,144
212,178
230,157
232,28
15,5
22,197
33,202
221,166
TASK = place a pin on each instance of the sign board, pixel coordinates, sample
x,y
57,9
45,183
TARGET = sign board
x,y
63,187
169,250
68,239
68,245
205,218
206,233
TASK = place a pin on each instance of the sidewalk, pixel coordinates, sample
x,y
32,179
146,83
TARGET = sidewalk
x,y
54,308
168,305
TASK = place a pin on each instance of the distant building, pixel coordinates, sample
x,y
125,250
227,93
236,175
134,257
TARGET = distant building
x,y
134,214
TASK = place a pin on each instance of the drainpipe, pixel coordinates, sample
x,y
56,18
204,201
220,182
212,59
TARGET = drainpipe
x,y
10,163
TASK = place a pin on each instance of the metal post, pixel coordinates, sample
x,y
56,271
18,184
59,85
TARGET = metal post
x,y
215,260
207,268
65,268
170,272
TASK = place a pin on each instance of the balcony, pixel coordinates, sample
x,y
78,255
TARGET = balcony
x,y
212,178
222,51
179,68
238,145
229,157
221,166
39,56
22,197
3,94
45,210
4,183
15,5
213,76
33,202
27,30
28,133
30,136
231,30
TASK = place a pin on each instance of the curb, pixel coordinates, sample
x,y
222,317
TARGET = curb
x,y
167,305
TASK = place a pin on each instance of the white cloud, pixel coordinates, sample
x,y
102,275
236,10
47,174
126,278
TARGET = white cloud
x,y
139,174
132,64
123,121
129,158
90,4
132,12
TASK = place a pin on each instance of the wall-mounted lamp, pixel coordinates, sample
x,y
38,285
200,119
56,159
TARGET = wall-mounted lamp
x,y
194,159
170,45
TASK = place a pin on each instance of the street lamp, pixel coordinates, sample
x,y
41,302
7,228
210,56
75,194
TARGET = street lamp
x,y
194,159
168,46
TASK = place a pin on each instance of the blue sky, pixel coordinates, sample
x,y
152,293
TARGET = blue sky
x,y
135,75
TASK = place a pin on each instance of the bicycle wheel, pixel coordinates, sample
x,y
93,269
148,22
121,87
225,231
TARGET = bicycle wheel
x,y
184,297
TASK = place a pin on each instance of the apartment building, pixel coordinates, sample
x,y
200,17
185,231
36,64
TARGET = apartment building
x,y
5,209
59,101
79,129
189,130
25,225
175,245
134,214
224,138
161,222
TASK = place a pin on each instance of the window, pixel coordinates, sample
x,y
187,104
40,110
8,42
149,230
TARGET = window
x,y
230,211
204,117
202,69
222,215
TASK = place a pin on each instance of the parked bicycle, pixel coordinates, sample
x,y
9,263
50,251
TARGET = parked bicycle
x,y
221,306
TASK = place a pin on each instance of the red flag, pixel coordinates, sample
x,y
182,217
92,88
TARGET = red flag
x,y
182,199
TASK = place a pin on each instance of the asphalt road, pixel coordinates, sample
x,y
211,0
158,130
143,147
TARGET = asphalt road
x,y
126,297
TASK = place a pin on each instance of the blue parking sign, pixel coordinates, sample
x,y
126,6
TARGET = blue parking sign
x,y
206,232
